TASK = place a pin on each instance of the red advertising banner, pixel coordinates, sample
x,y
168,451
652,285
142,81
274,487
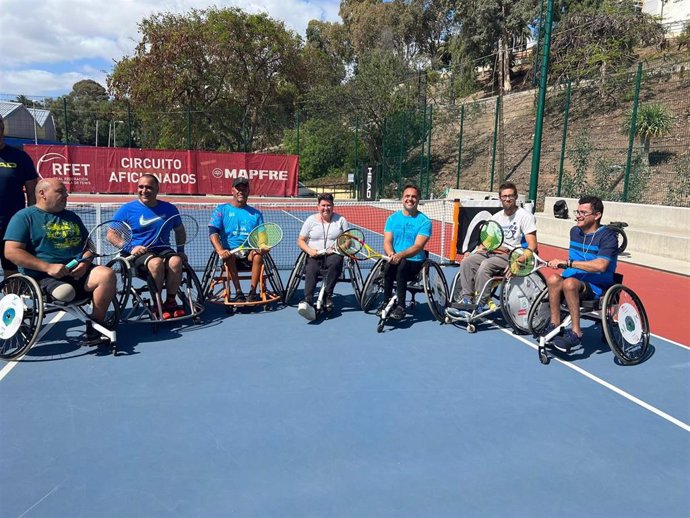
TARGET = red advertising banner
x,y
117,170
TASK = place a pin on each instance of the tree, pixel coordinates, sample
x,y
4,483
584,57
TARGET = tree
x,y
653,121
492,29
235,75
590,41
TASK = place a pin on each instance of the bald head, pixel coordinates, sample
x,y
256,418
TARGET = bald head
x,y
51,195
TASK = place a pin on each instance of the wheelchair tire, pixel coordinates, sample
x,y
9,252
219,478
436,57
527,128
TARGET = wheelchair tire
x,y
191,291
123,273
435,289
210,269
621,236
19,294
455,288
273,277
539,313
517,296
355,277
372,292
625,323
295,278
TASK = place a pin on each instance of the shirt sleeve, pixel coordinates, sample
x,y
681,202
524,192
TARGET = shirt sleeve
x,y
608,249
18,229
425,228
216,218
529,223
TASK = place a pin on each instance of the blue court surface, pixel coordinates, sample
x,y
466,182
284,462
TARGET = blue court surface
x,y
265,414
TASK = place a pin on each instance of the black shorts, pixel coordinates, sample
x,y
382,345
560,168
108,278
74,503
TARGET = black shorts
x,y
586,292
139,262
50,284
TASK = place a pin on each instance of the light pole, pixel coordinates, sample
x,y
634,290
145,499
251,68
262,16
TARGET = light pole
x,y
115,131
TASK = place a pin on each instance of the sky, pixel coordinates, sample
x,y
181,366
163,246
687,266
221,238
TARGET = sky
x,y
48,45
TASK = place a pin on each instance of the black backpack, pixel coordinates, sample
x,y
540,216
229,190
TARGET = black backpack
x,y
560,209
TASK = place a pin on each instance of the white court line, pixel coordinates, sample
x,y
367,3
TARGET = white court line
x,y
13,363
607,385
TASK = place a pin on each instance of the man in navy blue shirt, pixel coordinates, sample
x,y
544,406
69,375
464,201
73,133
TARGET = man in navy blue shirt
x,y
591,262
17,173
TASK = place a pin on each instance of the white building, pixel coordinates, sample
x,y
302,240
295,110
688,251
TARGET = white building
x,y
673,13
27,123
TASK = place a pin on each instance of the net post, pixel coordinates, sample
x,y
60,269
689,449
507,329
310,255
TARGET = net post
x,y
452,253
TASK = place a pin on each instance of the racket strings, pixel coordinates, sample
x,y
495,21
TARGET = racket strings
x,y
265,236
491,235
522,261
350,242
117,234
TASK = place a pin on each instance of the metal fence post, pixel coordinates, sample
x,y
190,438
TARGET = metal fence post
x,y
64,107
428,155
633,130
566,113
462,123
493,149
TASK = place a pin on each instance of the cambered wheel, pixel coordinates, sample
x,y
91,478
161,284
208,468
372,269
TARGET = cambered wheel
x,y
355,277
517,296
372,293
191,292
21,310
123,274
295,278
625,323
273,280
435,289
209,271
539,313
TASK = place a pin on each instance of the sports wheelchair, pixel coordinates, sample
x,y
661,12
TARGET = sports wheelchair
x,y
625,326
431,281
23,306
512,296
141,303
217,284
351,274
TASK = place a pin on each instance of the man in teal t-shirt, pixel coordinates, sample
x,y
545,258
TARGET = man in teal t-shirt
x,y
43,238
404,237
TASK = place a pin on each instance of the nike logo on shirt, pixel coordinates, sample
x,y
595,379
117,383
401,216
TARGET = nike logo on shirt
x,y
146,222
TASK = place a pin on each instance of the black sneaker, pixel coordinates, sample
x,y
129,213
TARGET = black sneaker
x,y
239,297
328,303
381,308
398,313
567,343
252,296
92,337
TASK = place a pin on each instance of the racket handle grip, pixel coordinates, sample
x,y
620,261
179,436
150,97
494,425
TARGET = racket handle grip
x,y
72,264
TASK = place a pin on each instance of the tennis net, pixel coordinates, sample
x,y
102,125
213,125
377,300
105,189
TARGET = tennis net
x,y
370,217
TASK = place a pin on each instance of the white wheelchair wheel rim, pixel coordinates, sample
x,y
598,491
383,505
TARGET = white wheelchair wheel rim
x,y
12,312
630,323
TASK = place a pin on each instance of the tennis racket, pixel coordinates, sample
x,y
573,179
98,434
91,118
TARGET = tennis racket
x,y
104,240
349,242
174,233
264,237
523,262
490,236
357,249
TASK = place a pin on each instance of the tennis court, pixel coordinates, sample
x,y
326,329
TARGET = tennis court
x,y
263,414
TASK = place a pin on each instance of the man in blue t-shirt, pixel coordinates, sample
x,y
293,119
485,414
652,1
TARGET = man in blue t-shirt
x,y
228,228
405,235
592,259
146,215
43,238
17,174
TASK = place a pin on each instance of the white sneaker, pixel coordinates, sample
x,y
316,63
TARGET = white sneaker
x,y
306,310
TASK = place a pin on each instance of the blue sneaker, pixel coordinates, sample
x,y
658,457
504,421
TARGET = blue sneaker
x,y
483,307
549,328
568,342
